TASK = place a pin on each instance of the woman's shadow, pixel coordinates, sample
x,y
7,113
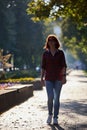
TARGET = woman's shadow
x,y
56,127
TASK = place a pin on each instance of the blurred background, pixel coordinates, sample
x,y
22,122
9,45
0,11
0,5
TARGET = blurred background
x,y
24,28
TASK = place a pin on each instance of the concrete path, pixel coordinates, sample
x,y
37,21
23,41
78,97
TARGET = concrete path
x,y
32,114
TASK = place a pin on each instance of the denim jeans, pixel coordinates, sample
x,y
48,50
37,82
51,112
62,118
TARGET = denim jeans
x,y
53,89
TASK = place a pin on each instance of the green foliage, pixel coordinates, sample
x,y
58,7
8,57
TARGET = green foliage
x,y
40,9
24,38
75,39
22,74
19,35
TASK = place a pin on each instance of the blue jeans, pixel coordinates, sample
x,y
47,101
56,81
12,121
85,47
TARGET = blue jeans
x,y
53,89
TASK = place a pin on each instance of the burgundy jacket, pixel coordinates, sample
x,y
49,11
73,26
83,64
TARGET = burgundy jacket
x,y
53,64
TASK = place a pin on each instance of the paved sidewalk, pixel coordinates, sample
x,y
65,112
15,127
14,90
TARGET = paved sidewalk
x,y
32,114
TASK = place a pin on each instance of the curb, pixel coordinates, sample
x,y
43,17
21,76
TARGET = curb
x,y
15,95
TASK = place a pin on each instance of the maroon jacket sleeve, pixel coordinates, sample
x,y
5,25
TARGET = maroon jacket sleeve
x,y
63,61
43,63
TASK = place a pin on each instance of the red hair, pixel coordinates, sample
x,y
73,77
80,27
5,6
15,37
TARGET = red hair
x,y
54,38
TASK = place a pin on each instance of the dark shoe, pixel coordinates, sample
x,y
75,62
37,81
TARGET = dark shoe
x,y
55,121
49,119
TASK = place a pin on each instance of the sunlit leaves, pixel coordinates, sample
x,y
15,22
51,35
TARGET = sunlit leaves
x,y
55,8
75,40
38,8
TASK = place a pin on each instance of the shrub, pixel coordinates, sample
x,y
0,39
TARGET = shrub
x,y
19,80
22,74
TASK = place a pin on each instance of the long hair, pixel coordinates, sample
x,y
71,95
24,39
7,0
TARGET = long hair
x,y
53,37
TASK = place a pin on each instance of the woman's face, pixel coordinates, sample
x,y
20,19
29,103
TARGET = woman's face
x,y
51,42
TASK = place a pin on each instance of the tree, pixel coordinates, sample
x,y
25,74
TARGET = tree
x,y
72,15
7,26
74,39
19,35
3,33
40,10
29,37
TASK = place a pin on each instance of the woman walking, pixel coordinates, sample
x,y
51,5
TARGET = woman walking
x,y
53,68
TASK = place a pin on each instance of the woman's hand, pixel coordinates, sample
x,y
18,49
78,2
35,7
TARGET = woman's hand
x,y
42,77
63,75
42,82
63,79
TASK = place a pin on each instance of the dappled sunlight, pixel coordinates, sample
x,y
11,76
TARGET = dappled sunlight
x,y
32,114
73,107
74,112
74,86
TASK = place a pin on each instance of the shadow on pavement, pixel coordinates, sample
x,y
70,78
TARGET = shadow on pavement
x,y
70,127
56,127
78,107
71,110
81,76
83,81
